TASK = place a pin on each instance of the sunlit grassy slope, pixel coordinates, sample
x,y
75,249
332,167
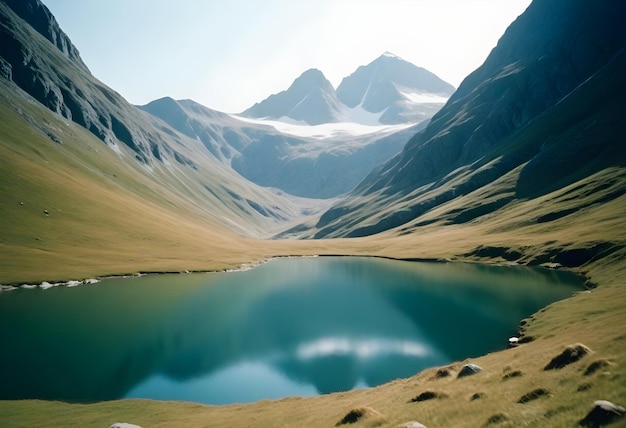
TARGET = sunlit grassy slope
x,y
71,207
106,217
595,318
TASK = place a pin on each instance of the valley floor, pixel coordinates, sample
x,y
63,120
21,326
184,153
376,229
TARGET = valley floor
x,y
561,397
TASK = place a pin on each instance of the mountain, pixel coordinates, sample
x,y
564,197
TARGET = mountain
x,y
310,98
544,111
399,90
292,159
389,90
87,177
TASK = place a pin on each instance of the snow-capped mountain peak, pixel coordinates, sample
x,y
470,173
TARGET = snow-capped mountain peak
x,y
311,98
387,91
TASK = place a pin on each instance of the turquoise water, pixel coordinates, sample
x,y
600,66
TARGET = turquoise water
x,y
298,326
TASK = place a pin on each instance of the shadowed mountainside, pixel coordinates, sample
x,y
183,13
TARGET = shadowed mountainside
x,y
547,105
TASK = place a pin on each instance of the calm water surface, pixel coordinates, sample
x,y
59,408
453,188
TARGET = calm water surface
x,y
301,326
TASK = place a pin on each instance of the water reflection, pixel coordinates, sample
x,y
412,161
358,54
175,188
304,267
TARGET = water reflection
x,y
289,327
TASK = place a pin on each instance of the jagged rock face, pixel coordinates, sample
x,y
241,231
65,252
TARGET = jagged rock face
x,y
551,49
39,58
311,98
6,69
40,18
559,65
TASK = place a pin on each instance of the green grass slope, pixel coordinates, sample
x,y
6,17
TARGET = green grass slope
x,y
105,214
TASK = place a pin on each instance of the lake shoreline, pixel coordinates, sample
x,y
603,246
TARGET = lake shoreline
x,y
44,285
552,328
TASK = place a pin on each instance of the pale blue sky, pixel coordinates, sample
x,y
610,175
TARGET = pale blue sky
x,y
229,54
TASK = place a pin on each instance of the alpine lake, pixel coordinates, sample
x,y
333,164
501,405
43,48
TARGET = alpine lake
x,y
292,326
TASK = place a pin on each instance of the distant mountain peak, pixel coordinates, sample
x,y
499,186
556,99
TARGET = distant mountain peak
x,y
390,88
311,98
394,88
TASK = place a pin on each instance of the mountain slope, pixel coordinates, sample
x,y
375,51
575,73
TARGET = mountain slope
x,y
399,90
310,98
144,186
548,108
305,166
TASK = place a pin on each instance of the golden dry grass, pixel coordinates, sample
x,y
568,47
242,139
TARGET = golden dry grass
x,y
106,218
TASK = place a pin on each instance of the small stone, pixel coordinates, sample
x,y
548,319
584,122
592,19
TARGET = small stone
x,y
603,412
496,419
427,395
412,424
443,372
356,415
477,396
533,395
469,369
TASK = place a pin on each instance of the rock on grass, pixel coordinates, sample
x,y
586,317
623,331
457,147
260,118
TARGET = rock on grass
x,y
427,395
570,355
469,369
533,395
358,414
603,412
595,366
498,418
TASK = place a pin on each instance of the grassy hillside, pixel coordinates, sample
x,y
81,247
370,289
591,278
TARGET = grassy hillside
x,y
594,318
74,205
107,217
71,207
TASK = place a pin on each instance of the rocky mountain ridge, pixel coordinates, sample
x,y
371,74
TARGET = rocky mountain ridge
x,y
44,65
388,91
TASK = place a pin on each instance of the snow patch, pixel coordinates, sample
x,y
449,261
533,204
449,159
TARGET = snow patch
x,y
391,55
422,98
329,130
359,115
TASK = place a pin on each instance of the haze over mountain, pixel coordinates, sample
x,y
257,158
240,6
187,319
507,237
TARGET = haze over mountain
x,y
545,110
305,161
305,141
389,90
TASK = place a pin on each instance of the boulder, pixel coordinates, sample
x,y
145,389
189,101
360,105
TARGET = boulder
x,y
571,354
469,369
603,412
